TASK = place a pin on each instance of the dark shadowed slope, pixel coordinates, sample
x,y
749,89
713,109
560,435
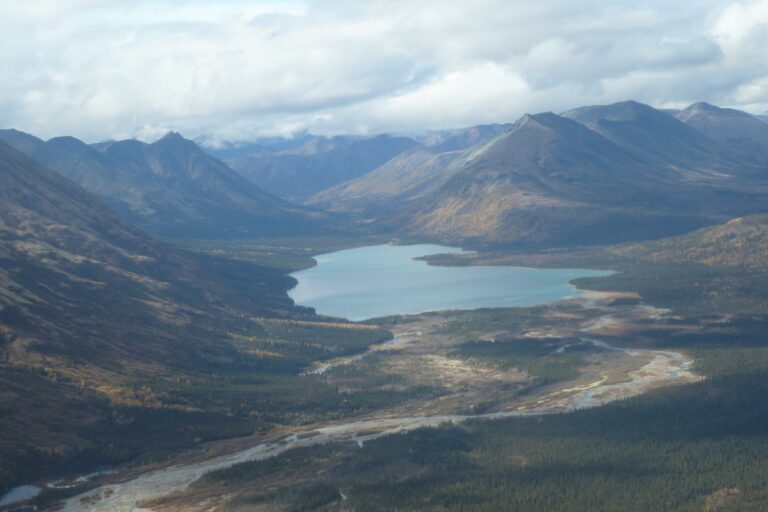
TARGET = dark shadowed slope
x,y
79,284
89,302
173,188
741,133
300,172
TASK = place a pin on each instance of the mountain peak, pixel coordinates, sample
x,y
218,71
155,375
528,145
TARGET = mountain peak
x,y
541,120
703,105
705,109
173,137
174,142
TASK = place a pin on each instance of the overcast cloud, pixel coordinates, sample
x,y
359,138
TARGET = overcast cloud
x,y
232,70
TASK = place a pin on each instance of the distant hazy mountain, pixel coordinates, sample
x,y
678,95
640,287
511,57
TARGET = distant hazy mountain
x,y
23,142
737,131
411,175
87,301
457,140
317,163
658,138
170,187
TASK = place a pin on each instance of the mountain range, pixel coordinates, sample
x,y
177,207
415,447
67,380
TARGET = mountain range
x,y
601,174
171,187
409,176
315,164
300,168
592,175
740,133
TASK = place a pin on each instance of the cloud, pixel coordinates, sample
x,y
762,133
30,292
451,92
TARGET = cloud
x,y
235,69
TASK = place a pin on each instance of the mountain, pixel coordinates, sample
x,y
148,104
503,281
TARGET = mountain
x,y
409,176
24,142
73,270
740,132
171,187
741,242
90,305
551,180
318,163
658,138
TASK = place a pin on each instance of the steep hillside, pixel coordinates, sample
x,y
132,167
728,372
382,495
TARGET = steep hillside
x,y
89,305
73,273
738,131
172,187
406,178
553,181
742,242
300,172
410,176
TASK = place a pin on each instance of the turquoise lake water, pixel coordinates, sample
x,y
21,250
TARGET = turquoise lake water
x,y
382,280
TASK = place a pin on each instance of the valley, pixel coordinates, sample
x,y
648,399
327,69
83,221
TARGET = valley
x,y
469,389
212,364
302,256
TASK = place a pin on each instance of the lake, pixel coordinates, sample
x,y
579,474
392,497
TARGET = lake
x,y
382,280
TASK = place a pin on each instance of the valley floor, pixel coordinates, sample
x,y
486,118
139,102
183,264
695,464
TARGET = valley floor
x,y
465,365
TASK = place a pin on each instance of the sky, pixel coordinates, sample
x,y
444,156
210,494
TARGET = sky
x,y
234,70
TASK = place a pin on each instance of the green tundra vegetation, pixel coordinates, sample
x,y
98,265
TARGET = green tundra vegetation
x,y
539,357
700,446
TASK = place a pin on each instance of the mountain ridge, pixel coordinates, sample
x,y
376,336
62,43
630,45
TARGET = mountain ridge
x,y
299,172
173,188
595,175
